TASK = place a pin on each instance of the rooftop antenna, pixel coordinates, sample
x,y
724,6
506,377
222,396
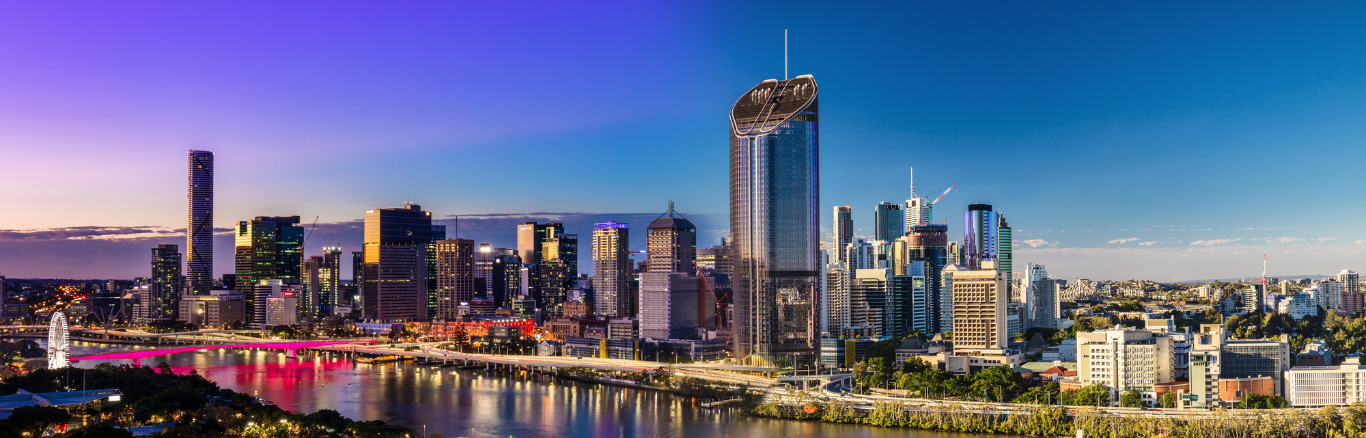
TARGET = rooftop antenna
x,y
785,54
913,195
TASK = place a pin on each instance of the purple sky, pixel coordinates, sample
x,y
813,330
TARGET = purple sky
x,y
1154,141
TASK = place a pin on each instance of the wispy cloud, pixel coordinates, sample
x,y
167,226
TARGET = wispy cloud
x,y
1146,243
1131,239
1035,243
1214,242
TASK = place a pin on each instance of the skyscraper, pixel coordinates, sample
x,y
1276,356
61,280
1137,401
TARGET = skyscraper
x,y
162,298
454,276
199,232
918,208
323,279
438,234
928,244
980,236
612,269
670,304
529,241
843,232
774,194
1004,252
395,265
889,222
565,248
266,248
979,309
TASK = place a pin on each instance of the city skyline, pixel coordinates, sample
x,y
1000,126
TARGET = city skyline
x,y
1151,182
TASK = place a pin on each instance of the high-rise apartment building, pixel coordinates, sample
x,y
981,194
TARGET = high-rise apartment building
x,y
549,285
889,221
454,276
506,272
612,269
869,297
669,294
266,248
1351,282
395,265
843,231
329,281
838,282
199,231
438,234
162,299
565,249
1042,298
979,308
980,236
775,191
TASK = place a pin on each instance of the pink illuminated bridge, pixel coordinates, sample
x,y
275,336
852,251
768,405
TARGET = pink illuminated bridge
x,y
137,356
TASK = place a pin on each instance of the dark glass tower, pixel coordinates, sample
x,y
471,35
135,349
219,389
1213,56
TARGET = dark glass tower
x,y
980,236
774,193
163,295
267,248
395,266
928,243
199,232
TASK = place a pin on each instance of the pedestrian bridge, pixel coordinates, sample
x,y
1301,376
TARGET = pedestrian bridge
x,y
137,356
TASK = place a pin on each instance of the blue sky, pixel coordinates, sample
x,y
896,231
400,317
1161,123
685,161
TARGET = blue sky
x,y
1160,140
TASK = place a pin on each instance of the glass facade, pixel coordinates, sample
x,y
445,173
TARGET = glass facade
x,y
395,268
267,248
199,232
889,222
980,234
163,295
774,194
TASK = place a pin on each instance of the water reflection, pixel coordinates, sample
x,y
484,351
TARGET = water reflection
x,y
476,403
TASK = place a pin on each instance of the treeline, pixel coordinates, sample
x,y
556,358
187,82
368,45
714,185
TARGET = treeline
x,y
195,406
1043,420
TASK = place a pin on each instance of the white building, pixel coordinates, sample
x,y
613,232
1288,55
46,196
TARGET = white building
x,y
1300,305
1326,386
1349,280
282,308
1328,293
1126,359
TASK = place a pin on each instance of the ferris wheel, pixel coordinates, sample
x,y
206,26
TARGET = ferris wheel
x,y
58,342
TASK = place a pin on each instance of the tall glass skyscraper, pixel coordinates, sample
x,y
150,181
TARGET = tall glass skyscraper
x,y
395,264
980,236
774,194
889,221
267,248
199,232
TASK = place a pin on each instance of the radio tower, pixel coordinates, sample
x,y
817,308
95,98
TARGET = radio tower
x,y
1264,291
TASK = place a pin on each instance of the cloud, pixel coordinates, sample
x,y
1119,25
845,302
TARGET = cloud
x,y
1283,239
1214,242
1325,239
1361,242
1035,243
1146,243
1131,239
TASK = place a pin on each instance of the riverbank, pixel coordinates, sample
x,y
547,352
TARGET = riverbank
x,y
1042,420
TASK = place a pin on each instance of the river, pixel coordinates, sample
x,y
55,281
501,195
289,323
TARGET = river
x,y
476,403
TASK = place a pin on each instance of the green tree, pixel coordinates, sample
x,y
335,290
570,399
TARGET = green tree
x,y
1131,399
915,365
1167,400
998,383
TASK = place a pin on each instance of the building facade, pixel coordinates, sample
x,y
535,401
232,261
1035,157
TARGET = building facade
x,y
979,309
163,291
843,231
612,269
267,248
199,231
671,301
454,276
395,264
775,193
889,221
981,228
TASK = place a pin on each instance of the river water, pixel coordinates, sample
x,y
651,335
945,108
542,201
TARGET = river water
x,y
475,403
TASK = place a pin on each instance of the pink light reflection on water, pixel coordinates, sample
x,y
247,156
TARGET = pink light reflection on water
x,y
296,385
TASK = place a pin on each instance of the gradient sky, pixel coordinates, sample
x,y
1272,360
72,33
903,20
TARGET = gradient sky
x,y
1156,140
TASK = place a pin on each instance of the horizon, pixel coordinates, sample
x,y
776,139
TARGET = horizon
x,y
1116,151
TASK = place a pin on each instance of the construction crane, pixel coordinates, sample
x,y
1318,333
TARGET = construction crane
x,y
941,195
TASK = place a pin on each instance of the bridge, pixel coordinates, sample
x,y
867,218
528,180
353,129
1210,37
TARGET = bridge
x,y
137,356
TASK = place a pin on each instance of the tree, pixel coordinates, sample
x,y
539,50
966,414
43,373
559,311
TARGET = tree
x,y
460,336
1094,394
1131,399
36,419
915,365
999,383
1167,400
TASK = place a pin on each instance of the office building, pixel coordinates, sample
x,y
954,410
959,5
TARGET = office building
x,y
955,253
260,316
612,269
199,231
843,231
672,305
928,243
1126,359
918,208
1004,253
889,221
859,254
979,308
775,191
395,277
548,286
328,289
219,309
266,248
1315,386
163,292
454,276
921,310
1256,358
357,276
563,248
529,241
1043,300
980,236
507,279
282,309
438,234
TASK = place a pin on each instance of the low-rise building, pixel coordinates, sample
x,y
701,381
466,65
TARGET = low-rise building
x,y
1314,386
